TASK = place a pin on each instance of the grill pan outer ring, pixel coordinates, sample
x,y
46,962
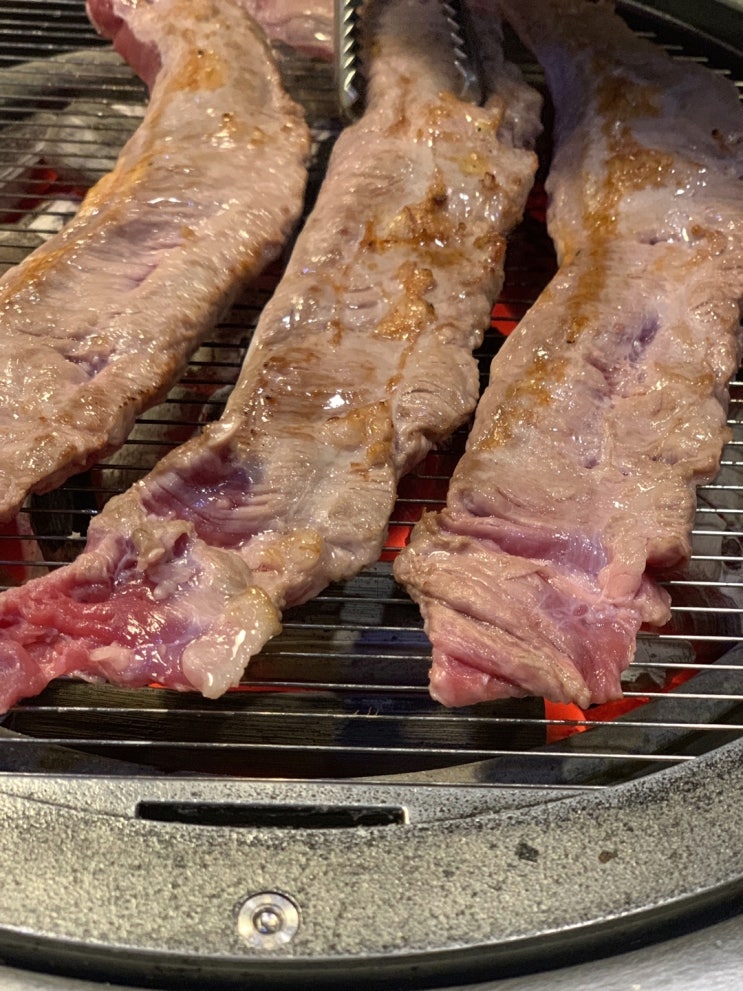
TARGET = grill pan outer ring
x,y
115,897
107,895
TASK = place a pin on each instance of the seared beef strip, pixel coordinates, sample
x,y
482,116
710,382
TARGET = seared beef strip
x,y
360,362
607,406
97,323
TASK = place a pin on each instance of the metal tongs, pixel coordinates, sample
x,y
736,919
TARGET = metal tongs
x,y
349,75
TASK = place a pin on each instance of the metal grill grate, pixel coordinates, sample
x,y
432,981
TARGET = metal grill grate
x,y
342,692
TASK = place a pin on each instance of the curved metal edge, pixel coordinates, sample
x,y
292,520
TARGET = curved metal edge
x,y
711,956
719,23
416,972
121,899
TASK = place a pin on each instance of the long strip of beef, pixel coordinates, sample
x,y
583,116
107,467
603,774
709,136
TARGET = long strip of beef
x,y
608,405
99,321
360,362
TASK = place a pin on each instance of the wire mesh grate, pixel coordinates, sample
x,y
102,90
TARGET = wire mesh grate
x,y
342,692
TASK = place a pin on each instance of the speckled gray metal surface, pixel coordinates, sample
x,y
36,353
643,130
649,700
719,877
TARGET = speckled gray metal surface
x,y
386,899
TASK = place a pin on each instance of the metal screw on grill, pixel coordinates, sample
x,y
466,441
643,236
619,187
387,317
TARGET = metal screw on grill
x,y
267,920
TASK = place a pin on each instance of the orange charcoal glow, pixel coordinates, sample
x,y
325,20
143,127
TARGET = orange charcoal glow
x,y
43,185
536,204
568,720
397,538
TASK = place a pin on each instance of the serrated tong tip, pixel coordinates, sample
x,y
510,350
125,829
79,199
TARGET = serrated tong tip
x,y
464,45
349,76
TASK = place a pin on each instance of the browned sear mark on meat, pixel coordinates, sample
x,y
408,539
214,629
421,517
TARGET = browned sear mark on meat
x,y
524,401
410,312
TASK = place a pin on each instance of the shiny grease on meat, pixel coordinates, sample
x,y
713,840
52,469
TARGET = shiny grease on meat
x,y
360,362
305,26
607,406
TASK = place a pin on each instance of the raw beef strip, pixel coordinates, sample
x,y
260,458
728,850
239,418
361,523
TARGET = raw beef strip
x,y
96,323
608,405
360,362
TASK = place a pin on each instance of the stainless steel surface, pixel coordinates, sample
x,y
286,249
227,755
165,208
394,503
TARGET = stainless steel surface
x,y
268,920
354,21
330,778
349,80
464,41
